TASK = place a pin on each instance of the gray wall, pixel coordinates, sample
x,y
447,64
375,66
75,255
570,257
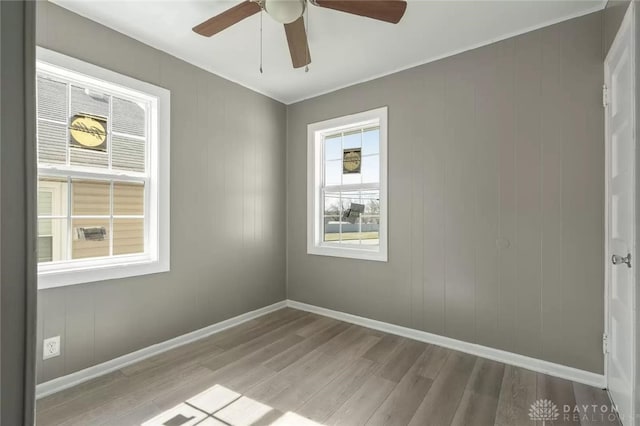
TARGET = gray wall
x,y
17,220
505,141
227,218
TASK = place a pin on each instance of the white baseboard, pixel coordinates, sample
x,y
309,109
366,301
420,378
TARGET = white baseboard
x,y
546,367
78,377
534,364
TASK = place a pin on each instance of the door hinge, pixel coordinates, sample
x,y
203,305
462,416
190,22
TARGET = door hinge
x,y
605,96
605,344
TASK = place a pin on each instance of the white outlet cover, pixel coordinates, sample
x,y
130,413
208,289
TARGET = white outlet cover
x,y
51,347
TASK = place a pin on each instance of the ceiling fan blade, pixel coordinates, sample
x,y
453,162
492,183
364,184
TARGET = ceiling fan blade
x,y
298,45
382,10
227,18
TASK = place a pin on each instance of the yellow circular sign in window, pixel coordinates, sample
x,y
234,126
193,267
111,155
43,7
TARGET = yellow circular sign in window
x,y
89,131
351,161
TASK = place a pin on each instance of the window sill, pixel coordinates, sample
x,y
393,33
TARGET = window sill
x,y
349,253
51,278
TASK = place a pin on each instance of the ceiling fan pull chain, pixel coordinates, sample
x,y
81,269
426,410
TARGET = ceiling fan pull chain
x,y
261,13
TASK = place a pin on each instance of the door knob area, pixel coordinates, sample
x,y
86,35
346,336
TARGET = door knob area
x,y
619,260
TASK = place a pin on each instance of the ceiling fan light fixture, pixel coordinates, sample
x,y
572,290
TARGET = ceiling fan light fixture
x,y
284,11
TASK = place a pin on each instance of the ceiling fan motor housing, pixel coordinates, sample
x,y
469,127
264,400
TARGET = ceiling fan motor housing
x,y
285,11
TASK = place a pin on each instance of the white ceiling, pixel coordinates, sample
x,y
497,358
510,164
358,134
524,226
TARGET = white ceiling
x,y
345,49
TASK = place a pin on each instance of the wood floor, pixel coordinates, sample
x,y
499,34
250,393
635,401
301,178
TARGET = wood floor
x,y
295,368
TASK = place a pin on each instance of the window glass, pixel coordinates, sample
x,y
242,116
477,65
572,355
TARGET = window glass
x,y
52,239
52,100
351,213
333,172
89,101
90,198
333,148
128,198
52,196
52,142
128,117
371,141
128,153
352,139
45,248
371,169
88,157
90,238
128,236
103,158
332,215
76,128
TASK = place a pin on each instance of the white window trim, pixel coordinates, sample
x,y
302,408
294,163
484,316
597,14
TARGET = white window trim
x,y
315,134
157,203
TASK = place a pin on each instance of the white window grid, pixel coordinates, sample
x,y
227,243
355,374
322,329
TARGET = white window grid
x,y
357,188
317,188
96,174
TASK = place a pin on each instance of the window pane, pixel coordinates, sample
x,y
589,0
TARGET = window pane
x,y
333,148
350,203
90,198
350,230
352,139
332,214
371,218
371,201
88,157
371,169
88,101
127,154
52,143
90,238
45,249
128,236
371,141
332,172
128,198
52,99
128,117
52,240
352,217
52,197
332,205
351,178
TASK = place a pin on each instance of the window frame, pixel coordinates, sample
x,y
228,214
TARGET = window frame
x,y
315,170
156,258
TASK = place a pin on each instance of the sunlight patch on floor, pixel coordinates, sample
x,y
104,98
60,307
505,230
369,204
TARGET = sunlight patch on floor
x,y
218,406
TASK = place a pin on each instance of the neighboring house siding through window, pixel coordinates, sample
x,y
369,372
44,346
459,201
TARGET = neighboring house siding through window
x,y
103,173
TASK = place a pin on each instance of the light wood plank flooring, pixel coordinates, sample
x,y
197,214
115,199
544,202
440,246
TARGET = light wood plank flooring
x,y
295,368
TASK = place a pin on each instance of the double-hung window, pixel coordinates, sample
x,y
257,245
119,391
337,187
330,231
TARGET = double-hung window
x,y
347,186
103,173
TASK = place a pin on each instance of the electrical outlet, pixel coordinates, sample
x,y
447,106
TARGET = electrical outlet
x,y
51,347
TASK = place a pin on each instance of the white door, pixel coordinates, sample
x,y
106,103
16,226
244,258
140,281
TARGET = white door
x,y
622,260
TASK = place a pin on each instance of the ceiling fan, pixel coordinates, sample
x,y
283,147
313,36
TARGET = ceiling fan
x,y
289,13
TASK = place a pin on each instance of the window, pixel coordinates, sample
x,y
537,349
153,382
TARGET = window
x,y
103,173
347,186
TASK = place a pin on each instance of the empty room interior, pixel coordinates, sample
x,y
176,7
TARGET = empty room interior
x,y
319,212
